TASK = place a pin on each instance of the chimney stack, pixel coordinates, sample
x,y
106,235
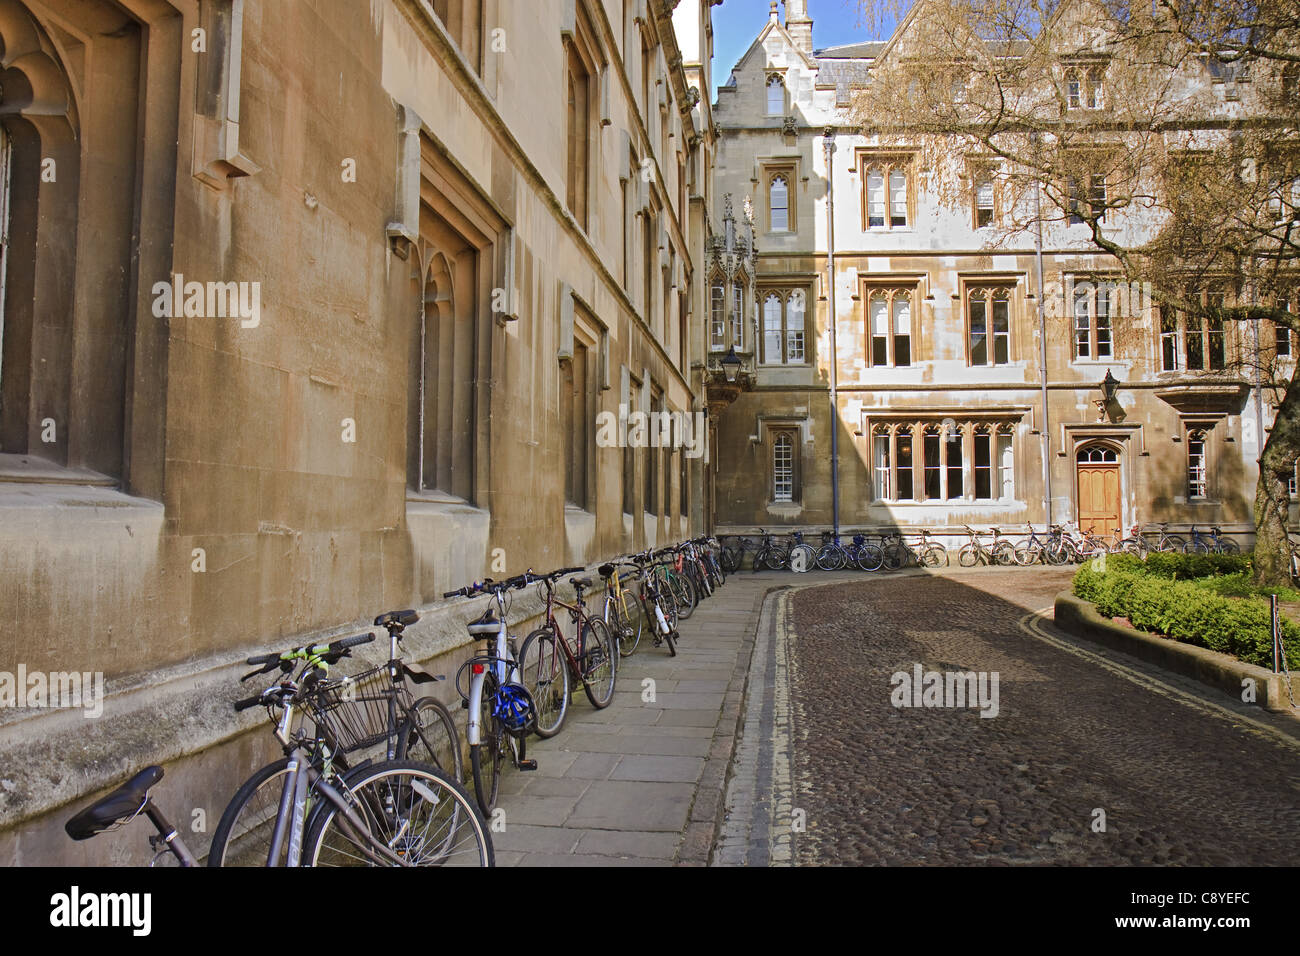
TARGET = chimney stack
x,y
799,25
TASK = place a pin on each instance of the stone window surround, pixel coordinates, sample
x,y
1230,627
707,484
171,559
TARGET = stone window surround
x,y
1182,336
975,283
786,292
1099,284
998,423
889,160
788,169
912,287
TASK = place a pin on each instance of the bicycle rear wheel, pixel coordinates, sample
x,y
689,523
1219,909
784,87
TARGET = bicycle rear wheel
x,y
417,812
428,735
626,631
597,663
545,675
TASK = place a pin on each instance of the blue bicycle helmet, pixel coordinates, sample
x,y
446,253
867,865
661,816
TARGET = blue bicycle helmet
x,y
513,706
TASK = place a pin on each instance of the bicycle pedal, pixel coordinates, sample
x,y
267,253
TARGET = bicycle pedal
x,y
526,765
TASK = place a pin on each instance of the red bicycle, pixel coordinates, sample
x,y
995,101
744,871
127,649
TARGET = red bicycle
x,y
548,661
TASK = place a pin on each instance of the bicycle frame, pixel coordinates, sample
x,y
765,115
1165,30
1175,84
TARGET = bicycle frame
x,y
302,780
578,614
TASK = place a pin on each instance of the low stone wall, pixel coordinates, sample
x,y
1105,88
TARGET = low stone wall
x,y
1077,616
55,762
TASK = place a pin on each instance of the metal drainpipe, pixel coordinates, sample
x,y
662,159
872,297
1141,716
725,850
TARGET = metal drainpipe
x,y
829,143
1042,360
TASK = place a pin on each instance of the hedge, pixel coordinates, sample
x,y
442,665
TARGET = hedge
x,y
1184,611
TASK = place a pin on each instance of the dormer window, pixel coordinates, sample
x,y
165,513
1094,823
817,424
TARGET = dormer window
x,y
1083,88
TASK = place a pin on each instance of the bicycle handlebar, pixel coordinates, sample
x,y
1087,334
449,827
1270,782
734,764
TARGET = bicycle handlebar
x,y
284,661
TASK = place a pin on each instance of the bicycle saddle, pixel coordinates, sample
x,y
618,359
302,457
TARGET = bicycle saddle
x,y
400,618
122,804
605,570
580,582
486,623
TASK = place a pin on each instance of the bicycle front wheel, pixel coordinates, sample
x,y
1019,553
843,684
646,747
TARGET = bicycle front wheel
x,y
243,837
831,558
1027,554
597,662
428,735
870,557
683,592
802,558
419,814
1003,553
545,674
935,556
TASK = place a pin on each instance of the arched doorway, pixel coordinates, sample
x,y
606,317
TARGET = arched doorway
x,y
1098,482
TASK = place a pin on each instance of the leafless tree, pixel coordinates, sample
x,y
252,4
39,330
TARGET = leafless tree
x,y
1163,131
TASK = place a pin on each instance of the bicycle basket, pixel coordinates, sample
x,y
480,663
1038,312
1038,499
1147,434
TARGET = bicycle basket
x,y
354,709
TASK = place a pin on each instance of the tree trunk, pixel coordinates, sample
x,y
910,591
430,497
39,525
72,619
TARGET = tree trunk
x,y
1272,559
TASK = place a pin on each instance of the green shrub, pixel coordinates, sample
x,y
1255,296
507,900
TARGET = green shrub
x,y
1195,565
1188,611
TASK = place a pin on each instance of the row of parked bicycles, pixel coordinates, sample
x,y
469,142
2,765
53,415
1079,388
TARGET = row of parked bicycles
x,y
374,772
892,550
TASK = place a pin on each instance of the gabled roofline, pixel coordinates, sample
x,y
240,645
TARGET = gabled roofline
x,y
762,34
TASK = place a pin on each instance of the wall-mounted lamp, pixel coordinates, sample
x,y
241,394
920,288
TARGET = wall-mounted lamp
x,y
730,364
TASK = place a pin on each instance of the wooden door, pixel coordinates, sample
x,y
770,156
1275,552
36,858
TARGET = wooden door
x,y
1099,498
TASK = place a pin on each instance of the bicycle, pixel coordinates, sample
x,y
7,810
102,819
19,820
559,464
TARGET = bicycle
x,y
867,556
1215,545
675,582
353,715
658,607
1000,552
621,612
831,556
390,812
501,709
1034,550
802,557
1222,544
769,555
547,660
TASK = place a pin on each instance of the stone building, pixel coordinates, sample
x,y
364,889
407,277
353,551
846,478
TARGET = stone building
x,y
311,311
940,409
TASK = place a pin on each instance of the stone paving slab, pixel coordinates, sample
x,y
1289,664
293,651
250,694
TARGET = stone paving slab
x,y
642,782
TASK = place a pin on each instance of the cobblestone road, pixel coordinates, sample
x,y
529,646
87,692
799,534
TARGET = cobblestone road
x,y
1183,774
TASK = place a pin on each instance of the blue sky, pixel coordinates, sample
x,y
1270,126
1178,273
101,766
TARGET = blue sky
x,y
737,22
